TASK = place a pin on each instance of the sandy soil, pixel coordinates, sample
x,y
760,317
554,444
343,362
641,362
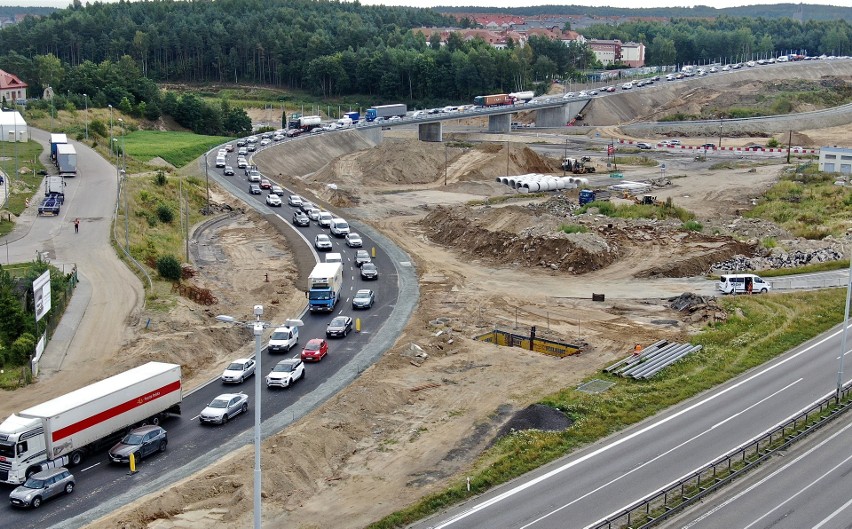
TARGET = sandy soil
x,y
411,424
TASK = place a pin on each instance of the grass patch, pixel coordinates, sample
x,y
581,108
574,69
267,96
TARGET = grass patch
x,y
500,199
807,204
806,269
769,326
24,185
692,225
573,228
639,211
177,148
635,160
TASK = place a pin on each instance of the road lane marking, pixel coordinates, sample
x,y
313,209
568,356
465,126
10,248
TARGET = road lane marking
x,y
522,487
663,454
771,476
89,467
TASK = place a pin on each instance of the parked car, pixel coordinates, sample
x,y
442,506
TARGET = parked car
x,y
369,271
322,242
278,190
273,200
141,442
229,171
363,299
238,370
361,257
224,408
353,240
339,326
300,219
315,350
42,486
254,189
285,373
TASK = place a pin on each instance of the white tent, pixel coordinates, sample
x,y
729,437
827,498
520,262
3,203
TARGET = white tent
x,y
13,127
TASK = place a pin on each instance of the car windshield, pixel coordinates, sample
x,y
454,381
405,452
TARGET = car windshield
x,y
368,266
132,439
312,346
286,368
362,295
33,483
338,322
236,366
279,336
219,403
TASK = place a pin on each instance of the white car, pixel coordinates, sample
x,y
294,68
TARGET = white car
x,y
418,114
295,200
238,370
353,240
322,242
265,141
324,219
285,373
726,68
273,200
313,213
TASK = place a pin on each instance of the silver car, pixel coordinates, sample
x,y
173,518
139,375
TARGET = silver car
x,y
141,442
238,370
224,407
42,486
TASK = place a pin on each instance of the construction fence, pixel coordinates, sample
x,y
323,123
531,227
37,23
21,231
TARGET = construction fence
x,y
530,343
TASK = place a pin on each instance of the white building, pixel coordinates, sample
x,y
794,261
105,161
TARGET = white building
x,y
835,160
13,127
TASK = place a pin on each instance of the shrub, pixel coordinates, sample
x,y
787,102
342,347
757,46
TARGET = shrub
x,y
769,243
165,213
773,143
692,225
160,178
22,348
98,127
169,268
573,228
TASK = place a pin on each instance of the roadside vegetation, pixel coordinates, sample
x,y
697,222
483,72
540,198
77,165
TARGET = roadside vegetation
x,y
758,329
177,148
20,162
639,211
645,161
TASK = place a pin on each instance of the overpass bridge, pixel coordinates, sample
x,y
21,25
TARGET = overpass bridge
x,y
549,112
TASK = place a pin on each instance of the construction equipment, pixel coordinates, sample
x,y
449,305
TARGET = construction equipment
x,y
588,195
578,165
649,200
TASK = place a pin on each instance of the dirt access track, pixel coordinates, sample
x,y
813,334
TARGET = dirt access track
x,y
419,418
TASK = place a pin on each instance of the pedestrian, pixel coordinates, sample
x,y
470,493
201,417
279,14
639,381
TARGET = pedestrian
x,y
76,225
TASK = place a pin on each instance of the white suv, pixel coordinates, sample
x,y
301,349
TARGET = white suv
x,y
285,373
339,227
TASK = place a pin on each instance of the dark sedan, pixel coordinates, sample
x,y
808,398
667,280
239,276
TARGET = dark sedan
x,y
369,271
339,326
300,219
140,442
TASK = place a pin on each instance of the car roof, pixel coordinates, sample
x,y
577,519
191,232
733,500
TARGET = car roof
x,y
363,291
49,473
145,429
321,235
242,360
228,396
288,361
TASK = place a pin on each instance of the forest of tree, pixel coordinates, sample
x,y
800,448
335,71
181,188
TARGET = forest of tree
x,y
117,52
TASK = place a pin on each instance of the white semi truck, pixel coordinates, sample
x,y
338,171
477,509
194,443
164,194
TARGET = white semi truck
x,y
60,432
324,286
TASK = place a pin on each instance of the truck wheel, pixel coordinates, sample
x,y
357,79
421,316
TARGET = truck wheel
x,y
76,458
36,502
155,420
30,471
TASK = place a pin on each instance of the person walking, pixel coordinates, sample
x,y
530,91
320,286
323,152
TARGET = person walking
x,y
76,225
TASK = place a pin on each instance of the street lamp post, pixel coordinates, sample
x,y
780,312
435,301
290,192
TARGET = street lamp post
x,y
845,332
86,97
720,132
257,327
123,174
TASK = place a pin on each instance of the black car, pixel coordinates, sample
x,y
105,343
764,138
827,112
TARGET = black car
x,y
241,143
709,146
369,271
339,326
300,219
140,442
254,189
229,171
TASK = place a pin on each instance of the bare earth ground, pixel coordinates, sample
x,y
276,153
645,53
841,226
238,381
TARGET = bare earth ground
x,y
411,424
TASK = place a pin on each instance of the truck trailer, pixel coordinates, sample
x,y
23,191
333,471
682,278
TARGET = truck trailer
x,y
354,116
54,186
307,123
386,111
324,286
66,159
60,432
523,97
494,100
56,139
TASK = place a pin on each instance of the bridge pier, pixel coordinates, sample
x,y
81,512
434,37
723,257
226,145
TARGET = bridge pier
x,y
501,123
430,132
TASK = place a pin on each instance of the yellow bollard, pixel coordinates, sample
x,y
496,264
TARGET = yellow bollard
x,y
357,324
374,251
132,463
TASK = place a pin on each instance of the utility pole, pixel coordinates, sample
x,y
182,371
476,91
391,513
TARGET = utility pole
x,y
789,143
446,163
86,97
564,156
207,178
720,132
507,158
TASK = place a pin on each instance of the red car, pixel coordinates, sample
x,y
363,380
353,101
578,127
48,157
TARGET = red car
x,y
265,184
314,350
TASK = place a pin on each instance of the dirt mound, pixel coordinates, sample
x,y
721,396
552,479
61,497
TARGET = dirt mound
x,y
698,264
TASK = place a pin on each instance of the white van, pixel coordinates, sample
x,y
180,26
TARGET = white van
x,y
739,283
324,219
333,258
283,339
339,227
220,161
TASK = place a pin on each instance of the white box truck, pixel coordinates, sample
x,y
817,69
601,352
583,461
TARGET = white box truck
x,y
60,432
324,286
66,159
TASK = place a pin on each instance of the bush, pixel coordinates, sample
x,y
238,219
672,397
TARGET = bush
x,y
22,348
98,127
692,225
169,268
573,228
165,213
160,179
773,143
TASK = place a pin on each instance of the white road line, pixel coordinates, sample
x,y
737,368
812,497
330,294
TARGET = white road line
x,y
89,467
769,477
522,487
832,515
660,456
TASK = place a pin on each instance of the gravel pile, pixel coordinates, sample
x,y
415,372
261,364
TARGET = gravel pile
x,y
535,417
778,259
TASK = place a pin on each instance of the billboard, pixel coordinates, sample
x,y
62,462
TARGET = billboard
x,y
41,295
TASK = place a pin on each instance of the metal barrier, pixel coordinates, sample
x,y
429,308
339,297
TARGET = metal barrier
x,y
664,503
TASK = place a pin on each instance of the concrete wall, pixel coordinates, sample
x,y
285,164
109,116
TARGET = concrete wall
x,y
430,132
559,117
